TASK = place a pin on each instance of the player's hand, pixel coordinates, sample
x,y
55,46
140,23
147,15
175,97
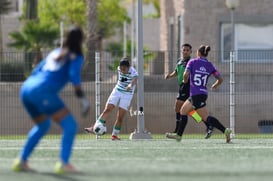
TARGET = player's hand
x,y
129,87
167,76
85,106
213,87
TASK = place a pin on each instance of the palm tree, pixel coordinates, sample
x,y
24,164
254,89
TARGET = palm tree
x,y
32,38
5,6
31,9
112,16
92,36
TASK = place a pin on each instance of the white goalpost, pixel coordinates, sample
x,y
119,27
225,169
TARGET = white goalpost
x,y
232,93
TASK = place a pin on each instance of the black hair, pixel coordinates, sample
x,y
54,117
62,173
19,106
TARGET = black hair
x,y
204,50
186,45
73,41
124,62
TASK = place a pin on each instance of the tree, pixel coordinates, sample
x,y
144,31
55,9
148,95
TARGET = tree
x,y
32,38
68,12
5,6
103,18
156,4
116,50
111,16
31,9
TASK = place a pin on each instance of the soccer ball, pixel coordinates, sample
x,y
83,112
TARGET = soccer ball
x,y
99,128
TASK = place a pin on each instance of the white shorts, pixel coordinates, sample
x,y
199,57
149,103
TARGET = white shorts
x,y
123,99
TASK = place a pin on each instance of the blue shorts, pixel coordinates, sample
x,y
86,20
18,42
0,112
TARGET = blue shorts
x,y
39,103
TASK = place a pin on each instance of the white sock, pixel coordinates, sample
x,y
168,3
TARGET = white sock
x,y
115,131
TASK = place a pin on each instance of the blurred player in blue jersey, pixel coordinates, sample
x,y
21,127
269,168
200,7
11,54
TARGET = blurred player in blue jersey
x,y
198,71
40,97
122,94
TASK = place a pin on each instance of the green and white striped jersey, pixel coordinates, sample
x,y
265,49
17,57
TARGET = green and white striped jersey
x,y
125,79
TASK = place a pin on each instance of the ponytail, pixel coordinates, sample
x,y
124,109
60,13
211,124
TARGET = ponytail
x,y
204,50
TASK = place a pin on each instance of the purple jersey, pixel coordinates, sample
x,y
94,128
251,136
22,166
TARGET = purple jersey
x,y
200,69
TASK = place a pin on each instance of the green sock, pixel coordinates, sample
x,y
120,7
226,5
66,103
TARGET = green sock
x,y
195,116
101,121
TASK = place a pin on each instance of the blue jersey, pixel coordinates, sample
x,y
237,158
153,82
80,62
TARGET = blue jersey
x,y
39,93
200,70
52,75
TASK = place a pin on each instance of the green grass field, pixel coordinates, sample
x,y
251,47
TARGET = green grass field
x,y
246,159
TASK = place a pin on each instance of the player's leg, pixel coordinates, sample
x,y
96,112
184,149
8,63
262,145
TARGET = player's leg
x,y
125,101
62,116
212,121
198,119
217,124
34,136
209,130
182,96
178,105
103,117
69,125
111,103
42,124
118,123
186,108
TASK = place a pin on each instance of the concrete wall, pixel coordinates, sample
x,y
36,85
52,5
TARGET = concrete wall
x,y
252,105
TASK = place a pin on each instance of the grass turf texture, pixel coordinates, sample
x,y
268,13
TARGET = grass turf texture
x,y
246,159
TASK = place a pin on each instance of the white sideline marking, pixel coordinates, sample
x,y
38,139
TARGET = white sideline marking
x,y
151,148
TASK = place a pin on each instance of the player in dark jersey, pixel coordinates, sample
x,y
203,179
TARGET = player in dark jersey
x,y
184,88
197,72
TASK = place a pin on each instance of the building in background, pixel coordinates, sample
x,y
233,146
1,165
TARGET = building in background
x,y
208,22
10,22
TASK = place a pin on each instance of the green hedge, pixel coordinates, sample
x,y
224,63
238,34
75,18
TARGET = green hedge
x,y
11,72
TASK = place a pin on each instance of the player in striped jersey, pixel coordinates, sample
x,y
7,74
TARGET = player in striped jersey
x,y
121,95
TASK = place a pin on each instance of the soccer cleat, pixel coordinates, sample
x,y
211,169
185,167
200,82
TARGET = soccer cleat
x,y
174,136
61,168
20,166
89,130
209,132
170,134
228,133
114,138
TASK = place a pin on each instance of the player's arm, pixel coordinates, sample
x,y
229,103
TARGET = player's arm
x,y
75,78
132,84
171,75
38,67
186,76
218,81
134,74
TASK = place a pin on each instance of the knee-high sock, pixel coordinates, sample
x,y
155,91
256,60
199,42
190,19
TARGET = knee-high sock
x,y
177,121
182,124
207,125
69,126
34,136
212,121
